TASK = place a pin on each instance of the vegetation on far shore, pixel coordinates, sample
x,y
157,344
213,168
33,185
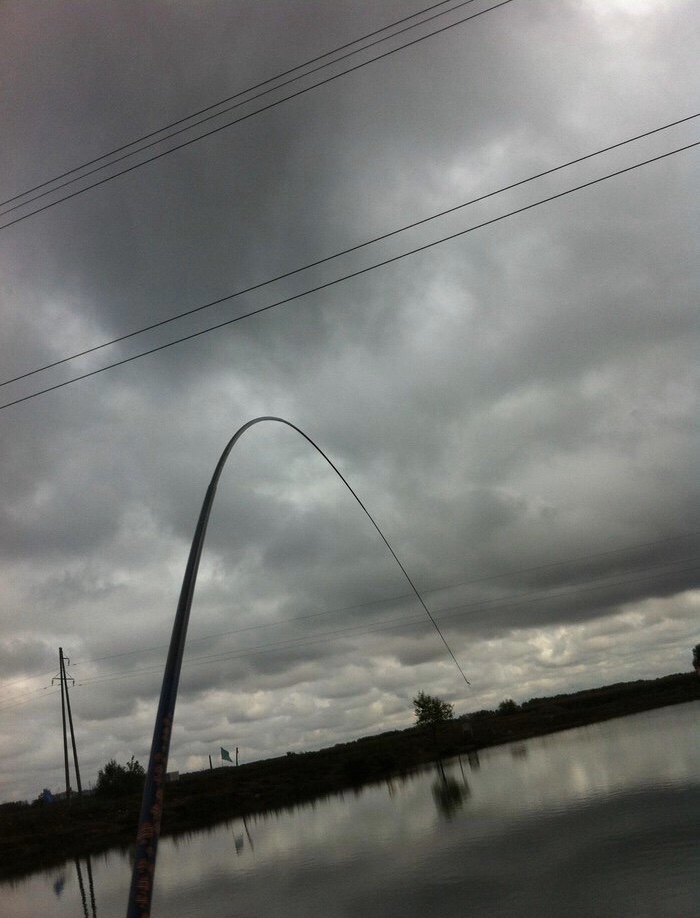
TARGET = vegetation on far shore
x,y
42,835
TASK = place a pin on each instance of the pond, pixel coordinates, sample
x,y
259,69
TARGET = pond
x,y
598,821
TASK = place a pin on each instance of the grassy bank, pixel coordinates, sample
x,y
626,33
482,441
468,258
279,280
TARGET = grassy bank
x,y
43,835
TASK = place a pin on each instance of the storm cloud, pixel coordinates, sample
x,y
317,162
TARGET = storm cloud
x,y
516,406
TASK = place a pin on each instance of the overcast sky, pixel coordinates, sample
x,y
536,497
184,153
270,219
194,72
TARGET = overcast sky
x,y
516,407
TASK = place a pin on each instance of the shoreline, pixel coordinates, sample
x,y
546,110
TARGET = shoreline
x,y
41,836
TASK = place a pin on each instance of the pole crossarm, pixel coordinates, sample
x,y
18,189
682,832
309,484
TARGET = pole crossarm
x,y
141,891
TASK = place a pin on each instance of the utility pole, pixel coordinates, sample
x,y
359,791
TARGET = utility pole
x,y
63,718
63,678
72,732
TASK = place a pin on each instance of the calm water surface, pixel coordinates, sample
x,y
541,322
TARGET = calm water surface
x,y
601,821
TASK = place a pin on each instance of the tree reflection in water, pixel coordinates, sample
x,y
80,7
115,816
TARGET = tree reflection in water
x,y
448,793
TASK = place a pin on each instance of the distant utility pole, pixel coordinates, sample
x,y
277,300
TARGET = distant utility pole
x,y
63,678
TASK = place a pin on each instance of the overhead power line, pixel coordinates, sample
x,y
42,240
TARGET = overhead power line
x,y
11,703
238,95
24,679
355,248
403,621
245,117
7,703
397,598
496,604
462,609
353,274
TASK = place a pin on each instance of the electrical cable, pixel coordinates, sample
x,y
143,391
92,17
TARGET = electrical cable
x,y
501,602
25,678
355,248
245,117
9,703
353,274
511,573
405,621
221,102
395,598
464,609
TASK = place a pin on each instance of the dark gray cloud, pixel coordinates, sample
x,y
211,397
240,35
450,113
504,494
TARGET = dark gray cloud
x,y
516,406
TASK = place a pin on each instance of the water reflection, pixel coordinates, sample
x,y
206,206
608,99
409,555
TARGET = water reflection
x,y
448,793
91,885
238,839
59,885
597,821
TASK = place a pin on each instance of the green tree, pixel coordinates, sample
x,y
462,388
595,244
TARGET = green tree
x,y
116,780
508,706
431,711
696,658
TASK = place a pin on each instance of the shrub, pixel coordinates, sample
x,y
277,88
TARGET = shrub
x,y
508,706
116,780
